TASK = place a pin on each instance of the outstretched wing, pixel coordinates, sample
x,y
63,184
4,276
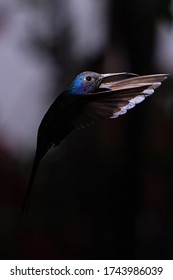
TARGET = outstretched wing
x,y
115,98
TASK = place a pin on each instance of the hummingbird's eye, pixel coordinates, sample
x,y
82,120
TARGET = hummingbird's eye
x,y
88,78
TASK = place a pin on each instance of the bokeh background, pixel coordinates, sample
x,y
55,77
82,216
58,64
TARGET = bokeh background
x,y
107,191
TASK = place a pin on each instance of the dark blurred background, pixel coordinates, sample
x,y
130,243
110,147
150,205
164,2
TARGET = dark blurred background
x,y
107,191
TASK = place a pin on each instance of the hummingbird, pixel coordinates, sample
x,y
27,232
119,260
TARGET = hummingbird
x,y
92,97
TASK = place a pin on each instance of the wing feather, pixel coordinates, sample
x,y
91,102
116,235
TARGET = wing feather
x,y
115,98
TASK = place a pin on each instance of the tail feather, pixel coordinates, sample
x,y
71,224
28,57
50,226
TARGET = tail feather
x,y
30,184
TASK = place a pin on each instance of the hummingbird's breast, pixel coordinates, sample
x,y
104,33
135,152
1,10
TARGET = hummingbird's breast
x,y
58,122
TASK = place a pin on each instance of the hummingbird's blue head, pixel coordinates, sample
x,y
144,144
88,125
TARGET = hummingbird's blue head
x,y
86,82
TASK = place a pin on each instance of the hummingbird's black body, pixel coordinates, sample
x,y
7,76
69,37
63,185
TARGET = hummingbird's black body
x,y
90,99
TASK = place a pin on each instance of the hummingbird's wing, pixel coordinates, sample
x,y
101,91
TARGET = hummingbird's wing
x,y
115,98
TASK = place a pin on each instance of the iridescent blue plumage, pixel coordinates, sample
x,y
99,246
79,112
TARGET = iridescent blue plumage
x,y
91,98
85,82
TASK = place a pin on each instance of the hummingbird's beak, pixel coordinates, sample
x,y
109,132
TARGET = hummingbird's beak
x,y
116,76
105,79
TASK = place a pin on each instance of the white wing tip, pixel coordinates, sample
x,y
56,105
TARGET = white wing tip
x,y
136,100
148,91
